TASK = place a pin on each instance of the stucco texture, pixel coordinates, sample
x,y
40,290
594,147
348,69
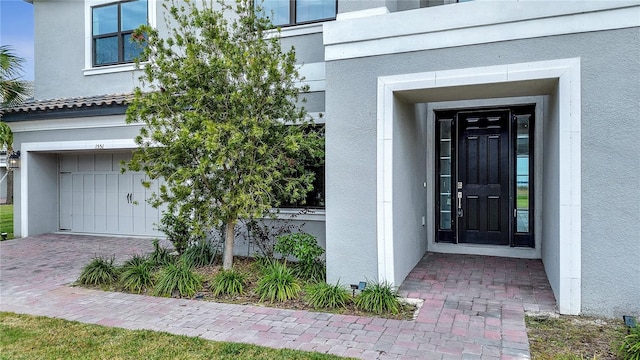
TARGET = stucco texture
x,y
610,211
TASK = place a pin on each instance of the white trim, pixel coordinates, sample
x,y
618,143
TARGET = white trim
x,y
297,30
89,69
566,72
459,25
383,10
70,123
56,146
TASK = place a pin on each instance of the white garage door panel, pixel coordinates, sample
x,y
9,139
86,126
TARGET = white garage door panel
x,y
96,198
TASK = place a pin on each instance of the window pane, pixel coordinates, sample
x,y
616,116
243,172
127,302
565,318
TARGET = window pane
x,y
310,10
131,49
444,137
276,10
522,174
106,50
105,19
134,14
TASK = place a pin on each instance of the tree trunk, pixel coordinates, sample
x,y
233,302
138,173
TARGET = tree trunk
x,y
9,199
229,235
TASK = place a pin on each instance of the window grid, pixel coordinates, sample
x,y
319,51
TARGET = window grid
x,y
293,18
120,35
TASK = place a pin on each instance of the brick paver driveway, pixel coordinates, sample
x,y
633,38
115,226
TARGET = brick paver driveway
x,y
474,306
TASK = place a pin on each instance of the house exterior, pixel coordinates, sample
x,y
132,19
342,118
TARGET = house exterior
x,y
502,128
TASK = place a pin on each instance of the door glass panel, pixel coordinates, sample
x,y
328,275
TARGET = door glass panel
x,y
522,174
445,174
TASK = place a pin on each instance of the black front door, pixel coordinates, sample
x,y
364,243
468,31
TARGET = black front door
x,y
483,178
484,167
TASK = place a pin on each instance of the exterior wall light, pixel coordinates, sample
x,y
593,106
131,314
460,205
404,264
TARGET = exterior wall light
x,y
13,162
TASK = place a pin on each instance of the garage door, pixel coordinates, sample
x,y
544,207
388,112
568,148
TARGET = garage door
x,y
96,198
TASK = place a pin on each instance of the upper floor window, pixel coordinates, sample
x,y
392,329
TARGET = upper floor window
x,y
294,12
112,28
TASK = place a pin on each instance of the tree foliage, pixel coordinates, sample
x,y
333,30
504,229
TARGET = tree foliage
x,y
13,91
219,115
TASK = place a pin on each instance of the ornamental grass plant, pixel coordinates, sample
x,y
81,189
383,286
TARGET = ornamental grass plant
x,y
100,271
278,283
378,298
327,296
228,282
178,278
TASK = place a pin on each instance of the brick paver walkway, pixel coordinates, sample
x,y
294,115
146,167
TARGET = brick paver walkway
x,y
474,306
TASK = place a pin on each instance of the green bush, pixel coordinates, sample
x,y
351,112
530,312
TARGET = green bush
x,y
177,229
630,347
160,255
323,295
136,276
100,271
177,277
228,282
303,247
200,253
278,283
378,298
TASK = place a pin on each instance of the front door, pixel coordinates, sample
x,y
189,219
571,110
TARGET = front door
x,y
483,176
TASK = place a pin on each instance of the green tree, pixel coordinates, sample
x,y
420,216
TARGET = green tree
x,y
220,121
13,91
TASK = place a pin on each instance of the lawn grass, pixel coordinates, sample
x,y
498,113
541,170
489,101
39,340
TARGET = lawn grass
x,y
37,337
6,220
574,337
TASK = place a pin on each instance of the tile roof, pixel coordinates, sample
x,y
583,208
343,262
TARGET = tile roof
x,y
69,103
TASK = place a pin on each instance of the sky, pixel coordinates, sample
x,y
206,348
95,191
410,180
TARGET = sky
x,y
16,30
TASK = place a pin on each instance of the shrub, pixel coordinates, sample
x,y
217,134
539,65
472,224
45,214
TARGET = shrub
x,y
200,253
136,276
160,255
323,295
177,277
278,283
100,271
178,230
378,298
262,233
228,282
630,347
305,248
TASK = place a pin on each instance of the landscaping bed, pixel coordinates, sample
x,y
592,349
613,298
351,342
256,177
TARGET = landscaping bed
x,y
260,282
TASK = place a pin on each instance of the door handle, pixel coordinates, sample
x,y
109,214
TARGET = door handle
x,y
460,213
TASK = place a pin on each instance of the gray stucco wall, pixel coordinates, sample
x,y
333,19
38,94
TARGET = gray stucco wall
x,y
60,53
409,176
550,193
59,43
610,215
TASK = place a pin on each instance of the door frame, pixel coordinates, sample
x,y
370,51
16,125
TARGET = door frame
x,y
492,250
508,201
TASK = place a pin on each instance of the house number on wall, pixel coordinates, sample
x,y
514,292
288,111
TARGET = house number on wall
x,y
99,146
